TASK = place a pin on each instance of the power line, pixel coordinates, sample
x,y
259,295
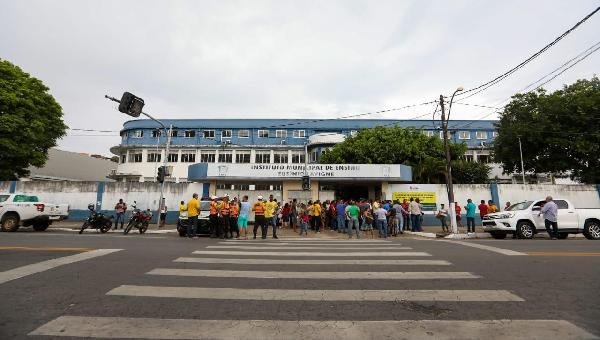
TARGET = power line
x,y
501,77
91,130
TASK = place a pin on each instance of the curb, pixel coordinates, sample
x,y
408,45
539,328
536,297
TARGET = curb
x,y
119,231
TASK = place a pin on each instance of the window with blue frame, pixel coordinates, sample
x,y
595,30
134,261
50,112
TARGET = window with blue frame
x,y
189,133
208,133
263,133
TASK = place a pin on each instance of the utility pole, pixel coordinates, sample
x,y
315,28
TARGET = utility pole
x,y
162,184
449,186
521,153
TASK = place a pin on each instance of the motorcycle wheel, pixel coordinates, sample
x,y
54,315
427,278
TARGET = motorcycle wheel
x,y
143,227
128,228
84,227
106,227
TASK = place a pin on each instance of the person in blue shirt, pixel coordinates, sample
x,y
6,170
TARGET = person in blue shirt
x,y
470,211
340,209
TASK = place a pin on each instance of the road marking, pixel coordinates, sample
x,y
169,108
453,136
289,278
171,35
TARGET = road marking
x,y
315,254
333,244
300,240
561,253
39,267
322,247
155,328
313,262
488,248
314,275
45,249
313,294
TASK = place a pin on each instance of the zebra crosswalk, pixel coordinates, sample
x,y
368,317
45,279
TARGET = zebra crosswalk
x,y
333,275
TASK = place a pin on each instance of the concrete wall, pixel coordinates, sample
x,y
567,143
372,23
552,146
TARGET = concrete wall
x,y
79,194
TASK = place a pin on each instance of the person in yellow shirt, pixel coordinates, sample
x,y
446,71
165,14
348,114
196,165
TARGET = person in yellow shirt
x,y
259,217
193,210
270,214
492,208
316,211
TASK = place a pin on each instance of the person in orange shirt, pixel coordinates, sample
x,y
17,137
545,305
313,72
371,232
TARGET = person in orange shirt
x,y
213,217
259,217
224,210
234,211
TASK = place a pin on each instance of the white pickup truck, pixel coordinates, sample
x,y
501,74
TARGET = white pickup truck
x,y
524,219
26,210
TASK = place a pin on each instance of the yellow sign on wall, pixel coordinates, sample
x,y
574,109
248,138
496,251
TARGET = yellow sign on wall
x,y
428,199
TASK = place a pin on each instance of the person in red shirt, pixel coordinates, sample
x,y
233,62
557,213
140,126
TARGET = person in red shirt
x,y
483,209
457,209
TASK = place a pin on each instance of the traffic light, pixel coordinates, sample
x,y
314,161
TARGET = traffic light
x,y
131,104
305,183
162,173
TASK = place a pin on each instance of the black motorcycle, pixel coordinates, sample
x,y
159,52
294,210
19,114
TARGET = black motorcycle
x,y
96,221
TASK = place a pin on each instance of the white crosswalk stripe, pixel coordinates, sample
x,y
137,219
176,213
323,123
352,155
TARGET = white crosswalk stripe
x,y
154,328
313,295
275,247
308,254
248,261
315,275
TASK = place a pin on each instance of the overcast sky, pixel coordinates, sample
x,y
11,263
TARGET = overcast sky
x,y
284,59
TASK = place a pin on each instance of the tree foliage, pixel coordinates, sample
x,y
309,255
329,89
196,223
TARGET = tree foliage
x,y
559,132
30,122
396,145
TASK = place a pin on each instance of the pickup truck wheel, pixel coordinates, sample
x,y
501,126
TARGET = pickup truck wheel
x,y
41,226
525,230
498,235
562,236
10,223
591,230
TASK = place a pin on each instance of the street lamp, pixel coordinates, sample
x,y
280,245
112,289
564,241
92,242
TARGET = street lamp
x,y
451,203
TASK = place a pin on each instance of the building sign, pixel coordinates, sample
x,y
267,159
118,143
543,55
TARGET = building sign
x,y
388,172
428,199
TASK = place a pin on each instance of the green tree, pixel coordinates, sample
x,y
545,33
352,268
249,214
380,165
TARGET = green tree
x,y
30,122
559,132
396,145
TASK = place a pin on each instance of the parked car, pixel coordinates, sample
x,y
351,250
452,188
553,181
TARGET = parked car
x,y
26,210
203,222
524,219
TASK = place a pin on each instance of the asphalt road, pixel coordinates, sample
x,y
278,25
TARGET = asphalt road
x,y
436,289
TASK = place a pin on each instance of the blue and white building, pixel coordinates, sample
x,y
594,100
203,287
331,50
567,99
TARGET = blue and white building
x,y
256,156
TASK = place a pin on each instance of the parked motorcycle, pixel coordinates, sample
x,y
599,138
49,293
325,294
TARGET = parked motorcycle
x,y
140,220
96,221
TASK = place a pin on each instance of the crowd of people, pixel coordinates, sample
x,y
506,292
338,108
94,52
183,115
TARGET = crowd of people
x,y
360,218
470,210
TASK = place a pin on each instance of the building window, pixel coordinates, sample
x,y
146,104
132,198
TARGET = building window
x,y
153,157
262,187
429,133
208,133
123,158
138,134
224,186
299,134
483,158
244,134
280,157
481,135
156,133
353,133
225,157
441,134
280,134
135,157
173,157
263,133
188,156
207,157
298,157
277,186
241,187
495,134
262,157
189,133
242,156
464,135
226,134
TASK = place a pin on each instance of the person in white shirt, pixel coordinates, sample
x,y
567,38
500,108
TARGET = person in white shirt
x,y
441,215
550,211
